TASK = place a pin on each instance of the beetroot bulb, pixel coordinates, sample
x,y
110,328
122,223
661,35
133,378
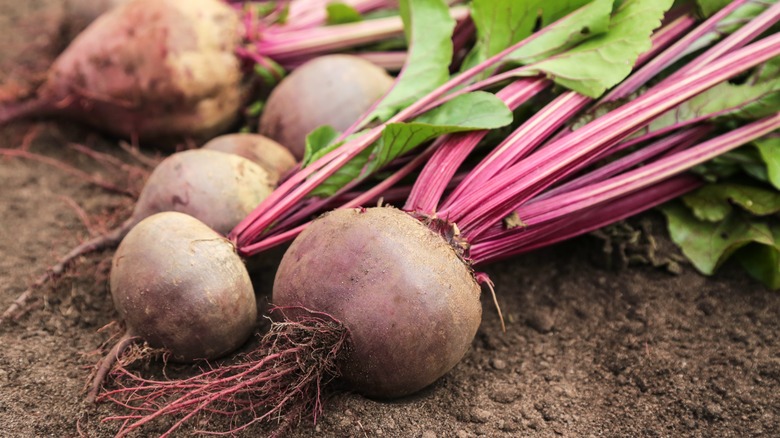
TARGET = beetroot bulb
x,y
270,155
190,199
373,297
166,298
330,90
218,187
411,304
167,70
151,68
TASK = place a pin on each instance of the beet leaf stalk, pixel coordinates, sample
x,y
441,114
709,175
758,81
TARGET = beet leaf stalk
x,y
560,217
529,177
554,38
338,267
290,43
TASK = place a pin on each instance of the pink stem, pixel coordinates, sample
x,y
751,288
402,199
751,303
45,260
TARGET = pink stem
x,y
522,240
520,143
297,43
289,193
454,149
582,210
683,139
736,40
671,54
550,119
550,164
306,15
647,175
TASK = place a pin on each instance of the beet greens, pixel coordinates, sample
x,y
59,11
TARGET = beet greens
x,y
545,182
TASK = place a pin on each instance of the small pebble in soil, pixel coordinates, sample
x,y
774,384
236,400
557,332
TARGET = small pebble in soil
x,y
491,342
479,415
548,412
428,434
541,319
498,364
505,394
508,426
738,335
388,423
713,410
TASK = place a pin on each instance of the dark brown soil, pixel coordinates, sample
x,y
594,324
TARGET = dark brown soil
x,y
589,351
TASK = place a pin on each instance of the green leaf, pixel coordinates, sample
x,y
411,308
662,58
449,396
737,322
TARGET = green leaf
x,y
470,111
467,112
350,171
746,101
765,86
742,15
706,244
586,22
342,13
713,202
555,10
499,24
763,261
502,23
603,61
283,15
769,149
255,108
709,7
261,9
749,161
271,73
428,27
318,143
768,71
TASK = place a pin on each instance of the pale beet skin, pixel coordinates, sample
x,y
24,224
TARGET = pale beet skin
x,y
270,155
330,90
181,286
158,69
411,305
218,188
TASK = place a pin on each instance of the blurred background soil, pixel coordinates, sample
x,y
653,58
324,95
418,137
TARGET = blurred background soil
x,y
590,349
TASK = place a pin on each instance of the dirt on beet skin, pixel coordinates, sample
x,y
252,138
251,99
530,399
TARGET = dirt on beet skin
x,y
599,342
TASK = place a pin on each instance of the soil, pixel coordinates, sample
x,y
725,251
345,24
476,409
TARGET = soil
x,y
589,350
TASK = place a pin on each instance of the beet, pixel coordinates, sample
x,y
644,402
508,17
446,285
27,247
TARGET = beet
x,y
411,305
164,295
330,90
270,155
179,286
218,188
371,296
156,69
